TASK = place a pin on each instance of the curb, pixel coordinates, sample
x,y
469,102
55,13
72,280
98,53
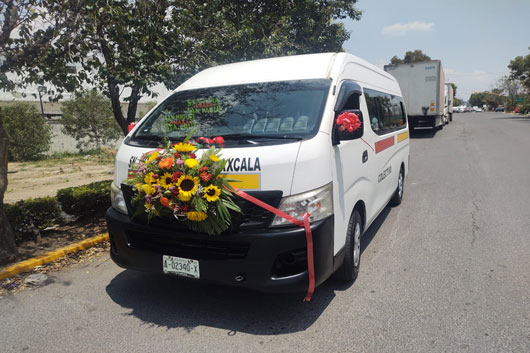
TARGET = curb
x,y
29,264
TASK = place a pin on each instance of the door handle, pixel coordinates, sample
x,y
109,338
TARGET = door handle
x,y
365,156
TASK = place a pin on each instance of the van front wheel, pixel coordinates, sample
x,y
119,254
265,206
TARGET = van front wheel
x,y
352,258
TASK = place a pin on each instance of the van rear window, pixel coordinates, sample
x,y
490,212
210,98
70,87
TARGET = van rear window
x,y
267,111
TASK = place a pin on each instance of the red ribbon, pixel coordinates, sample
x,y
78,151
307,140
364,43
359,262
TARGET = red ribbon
x,y
304,224
348,121
219,140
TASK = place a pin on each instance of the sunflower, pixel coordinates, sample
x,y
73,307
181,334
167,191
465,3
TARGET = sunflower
x,y
166,180
152,157
148,178
184,147
196,216
148,189
187,185
191,163
211,193
184,198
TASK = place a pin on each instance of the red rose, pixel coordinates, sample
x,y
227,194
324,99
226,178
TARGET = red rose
x,y
193,155
203,169
176,176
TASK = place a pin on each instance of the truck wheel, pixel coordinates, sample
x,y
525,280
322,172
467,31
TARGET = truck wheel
x,y
398,194
352,258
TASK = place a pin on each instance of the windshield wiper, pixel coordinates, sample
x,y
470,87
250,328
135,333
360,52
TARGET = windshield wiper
x,y
251,137
148,138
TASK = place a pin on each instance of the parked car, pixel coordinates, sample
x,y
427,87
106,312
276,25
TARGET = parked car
x,y
476,109
500,108
467,110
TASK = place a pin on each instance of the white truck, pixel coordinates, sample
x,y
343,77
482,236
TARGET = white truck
x,y
422,85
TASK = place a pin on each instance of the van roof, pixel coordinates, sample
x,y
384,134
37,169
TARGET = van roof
x,y
295,67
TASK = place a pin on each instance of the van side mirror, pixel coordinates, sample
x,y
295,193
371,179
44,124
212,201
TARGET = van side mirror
x,y
348,125
347,90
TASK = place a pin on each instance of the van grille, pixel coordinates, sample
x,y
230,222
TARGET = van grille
x,y
200,249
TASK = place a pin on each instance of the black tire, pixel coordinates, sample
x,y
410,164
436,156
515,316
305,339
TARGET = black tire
x,y
398,194
352,258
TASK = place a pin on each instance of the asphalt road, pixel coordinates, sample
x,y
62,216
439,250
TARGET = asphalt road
x,y
447,271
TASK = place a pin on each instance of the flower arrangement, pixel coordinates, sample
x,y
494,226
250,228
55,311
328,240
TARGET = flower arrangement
x,y
176,182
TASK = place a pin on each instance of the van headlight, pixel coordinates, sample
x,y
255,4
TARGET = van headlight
x,y
117,200
318,203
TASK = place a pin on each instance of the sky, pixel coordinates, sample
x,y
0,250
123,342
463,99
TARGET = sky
x,y
474,39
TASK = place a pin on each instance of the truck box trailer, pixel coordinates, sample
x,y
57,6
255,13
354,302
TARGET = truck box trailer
x,y
423,86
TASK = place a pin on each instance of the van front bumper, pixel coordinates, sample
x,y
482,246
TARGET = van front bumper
x,y
269,260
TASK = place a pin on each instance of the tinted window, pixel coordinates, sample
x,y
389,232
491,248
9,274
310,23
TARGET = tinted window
x,y
277,109
385,110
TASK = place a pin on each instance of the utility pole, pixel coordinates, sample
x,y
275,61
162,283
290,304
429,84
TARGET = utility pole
x,y
41,90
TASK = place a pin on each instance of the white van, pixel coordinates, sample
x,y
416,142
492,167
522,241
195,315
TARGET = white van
x,y
278,120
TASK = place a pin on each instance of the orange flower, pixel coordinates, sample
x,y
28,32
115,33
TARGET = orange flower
x,y
166,163
164,201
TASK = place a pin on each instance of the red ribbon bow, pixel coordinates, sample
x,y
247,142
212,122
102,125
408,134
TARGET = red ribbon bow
x,y
218,140
348,121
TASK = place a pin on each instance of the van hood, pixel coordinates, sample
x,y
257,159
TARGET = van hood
x,y
252,168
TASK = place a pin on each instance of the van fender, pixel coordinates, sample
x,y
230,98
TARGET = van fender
x,y
359,191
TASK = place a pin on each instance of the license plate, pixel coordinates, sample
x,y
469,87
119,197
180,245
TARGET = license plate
x,y
180,266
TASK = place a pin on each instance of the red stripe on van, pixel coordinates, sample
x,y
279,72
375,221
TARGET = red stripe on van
x,y
384,144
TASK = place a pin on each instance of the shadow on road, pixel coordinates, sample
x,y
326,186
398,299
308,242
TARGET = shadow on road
x,y
171,302
422,133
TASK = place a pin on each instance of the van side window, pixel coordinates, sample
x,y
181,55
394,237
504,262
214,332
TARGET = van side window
x,y
385,110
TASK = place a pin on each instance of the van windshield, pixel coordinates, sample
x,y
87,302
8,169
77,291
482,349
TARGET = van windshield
x,y
256,113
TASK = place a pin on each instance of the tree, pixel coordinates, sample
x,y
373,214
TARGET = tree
x,y
454,89
16,52
410,57
512,88
29,134
128,46
457,102
492,99
246,30
118,46
8,249
520,69
88,118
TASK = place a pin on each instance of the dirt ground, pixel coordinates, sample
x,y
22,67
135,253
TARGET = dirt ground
x,y
43,178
